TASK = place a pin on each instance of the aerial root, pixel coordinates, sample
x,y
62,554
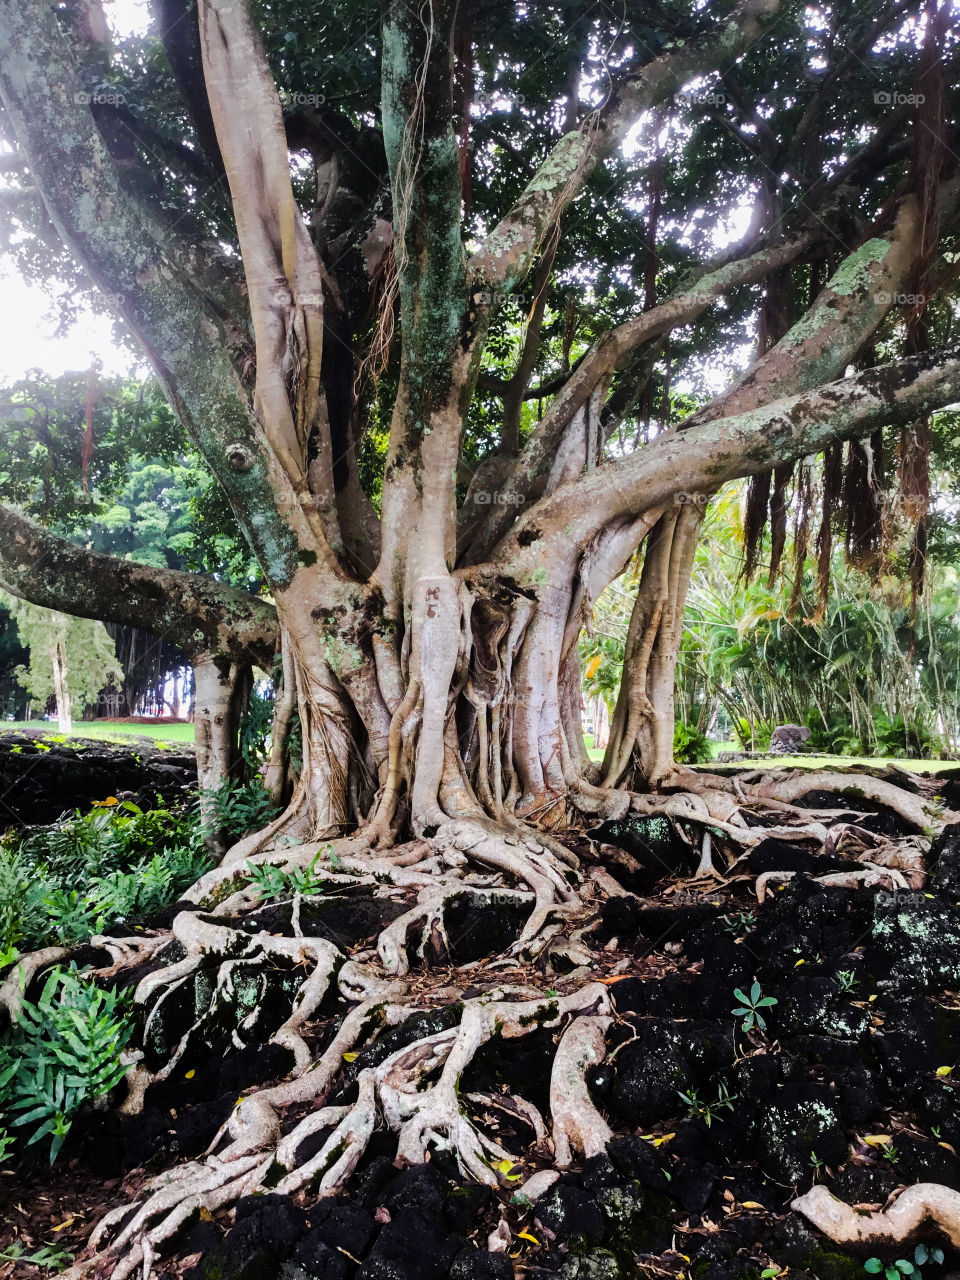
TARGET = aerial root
x,y
923,1203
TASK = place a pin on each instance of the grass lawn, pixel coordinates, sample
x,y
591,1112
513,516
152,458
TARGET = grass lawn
x,y
110,730
815,762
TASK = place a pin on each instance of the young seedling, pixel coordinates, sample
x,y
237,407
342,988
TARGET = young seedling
x,y
742,922
903,1266
846,980
706,1109
750,1005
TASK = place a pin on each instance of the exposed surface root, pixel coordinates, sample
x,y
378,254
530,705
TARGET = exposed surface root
x,y
922,1205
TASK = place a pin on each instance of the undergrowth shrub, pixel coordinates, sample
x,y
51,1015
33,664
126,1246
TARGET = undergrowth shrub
x,y
62,1057
60,884
237,808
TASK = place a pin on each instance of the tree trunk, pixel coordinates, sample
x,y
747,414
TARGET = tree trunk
x,y
60,687
222,696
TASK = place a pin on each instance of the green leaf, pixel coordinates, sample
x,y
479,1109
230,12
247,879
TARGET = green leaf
x,y
905,1266
873,1265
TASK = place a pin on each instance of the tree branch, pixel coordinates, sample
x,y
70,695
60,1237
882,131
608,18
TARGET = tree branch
x,y
707,456
608,353
199,614
508,251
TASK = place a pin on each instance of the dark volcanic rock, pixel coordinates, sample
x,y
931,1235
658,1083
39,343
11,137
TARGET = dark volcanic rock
x,y
944,862
40,780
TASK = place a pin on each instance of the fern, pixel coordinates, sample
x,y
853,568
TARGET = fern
x,y
63,1055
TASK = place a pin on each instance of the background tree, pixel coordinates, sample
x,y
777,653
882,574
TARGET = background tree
x,y
71,659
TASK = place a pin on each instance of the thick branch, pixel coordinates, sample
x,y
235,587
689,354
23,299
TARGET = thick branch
x,y
701,459
198,614
608,354
99,225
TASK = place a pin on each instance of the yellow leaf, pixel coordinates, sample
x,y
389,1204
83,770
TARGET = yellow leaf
x,y
871,999
503,1166
525,1235
110,800
800,962
188,1075
350,1057
593,666
658,1142
205,1214
239,1101
944,1071
751,1204
66,1222
877,1139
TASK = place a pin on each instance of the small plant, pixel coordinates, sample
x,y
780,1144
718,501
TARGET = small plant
x,y
818,1165
903,1267
63,1054
890,1152
846,980
275,882
705,1109
742,922
750,1005
236,808
51,1256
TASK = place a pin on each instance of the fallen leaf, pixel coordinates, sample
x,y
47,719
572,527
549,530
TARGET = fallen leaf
x,y
751,1204
503,1166
944,1071
188,1075
66,1223
658,1142
525,1235
877,1139
350,1057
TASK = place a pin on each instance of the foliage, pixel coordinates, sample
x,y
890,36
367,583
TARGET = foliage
x,y
255,729
706,1109
690,745
275,882
750,1006
63,1055
903,1266
236,808
60,884
49,1256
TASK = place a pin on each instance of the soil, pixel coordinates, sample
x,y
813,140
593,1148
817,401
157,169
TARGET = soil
x,y
854,1083
40,778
